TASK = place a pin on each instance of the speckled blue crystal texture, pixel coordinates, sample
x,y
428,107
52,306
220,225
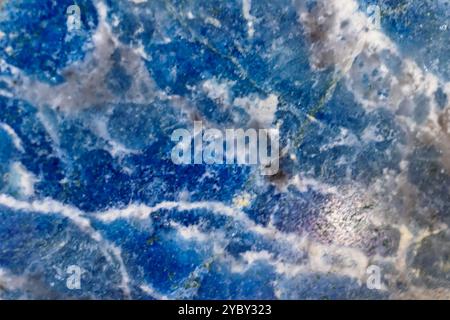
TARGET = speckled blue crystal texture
x,y
358,89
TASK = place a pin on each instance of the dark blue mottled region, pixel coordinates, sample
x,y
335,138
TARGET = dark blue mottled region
x,y
38,28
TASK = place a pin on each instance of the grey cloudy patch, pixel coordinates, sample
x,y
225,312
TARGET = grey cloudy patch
x,y
432,260
88,83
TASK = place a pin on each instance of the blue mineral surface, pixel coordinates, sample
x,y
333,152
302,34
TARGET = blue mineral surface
x,y
93,206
